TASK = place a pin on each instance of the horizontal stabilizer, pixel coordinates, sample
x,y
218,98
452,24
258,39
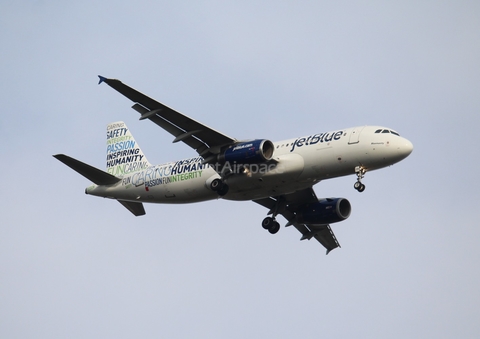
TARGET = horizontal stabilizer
x,y
93,174
135,207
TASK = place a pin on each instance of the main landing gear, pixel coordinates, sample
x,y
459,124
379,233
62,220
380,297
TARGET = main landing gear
x,y
271,225
219,186
360,171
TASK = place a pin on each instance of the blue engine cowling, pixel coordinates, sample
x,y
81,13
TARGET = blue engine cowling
x,y
325,211
250,152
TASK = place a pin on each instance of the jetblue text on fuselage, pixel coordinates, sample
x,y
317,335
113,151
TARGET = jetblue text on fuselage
x,y
316,138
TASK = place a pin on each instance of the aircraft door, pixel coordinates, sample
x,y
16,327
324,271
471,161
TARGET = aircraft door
x,y
355,135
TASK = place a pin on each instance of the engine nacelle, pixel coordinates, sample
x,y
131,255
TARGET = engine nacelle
x,y
325,211
250,152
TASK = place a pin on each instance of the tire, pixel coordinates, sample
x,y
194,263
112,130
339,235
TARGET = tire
x,y
223,190
216,185
274,228
267,223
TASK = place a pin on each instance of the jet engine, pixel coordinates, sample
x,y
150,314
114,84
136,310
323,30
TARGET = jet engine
x,y
325,211
249,152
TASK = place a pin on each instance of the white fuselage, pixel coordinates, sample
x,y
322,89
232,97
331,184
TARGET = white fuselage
x,y
297,164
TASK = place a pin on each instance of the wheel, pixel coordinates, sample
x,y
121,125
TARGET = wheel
x,y
274,228
267,223
357,185
361,188
223,190
216,185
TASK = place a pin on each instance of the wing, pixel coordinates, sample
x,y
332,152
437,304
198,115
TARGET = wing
x,y
205,140
286,206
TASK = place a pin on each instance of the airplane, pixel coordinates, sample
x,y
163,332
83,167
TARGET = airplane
x,y
277,175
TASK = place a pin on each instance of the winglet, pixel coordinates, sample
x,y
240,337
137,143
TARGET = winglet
x,y
102,79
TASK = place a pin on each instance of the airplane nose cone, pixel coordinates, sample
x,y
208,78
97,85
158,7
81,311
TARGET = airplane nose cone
x,y
405,148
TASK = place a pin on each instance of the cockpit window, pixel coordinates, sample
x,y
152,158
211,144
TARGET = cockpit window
x,y
386,131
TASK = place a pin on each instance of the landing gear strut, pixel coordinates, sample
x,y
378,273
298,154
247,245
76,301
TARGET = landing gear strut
x,y
271,225
219,186
360,171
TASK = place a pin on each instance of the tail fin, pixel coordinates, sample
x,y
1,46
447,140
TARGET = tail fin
x,y
123,153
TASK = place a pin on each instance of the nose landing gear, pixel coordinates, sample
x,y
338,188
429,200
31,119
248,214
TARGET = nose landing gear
x,y
360,171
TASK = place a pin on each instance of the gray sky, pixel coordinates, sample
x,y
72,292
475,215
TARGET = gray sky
x,y
77,266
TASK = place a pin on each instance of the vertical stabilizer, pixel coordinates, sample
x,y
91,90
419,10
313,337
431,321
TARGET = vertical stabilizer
x,y
124,155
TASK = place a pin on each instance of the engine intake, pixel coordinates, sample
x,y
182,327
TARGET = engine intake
x,y
250,152
325,211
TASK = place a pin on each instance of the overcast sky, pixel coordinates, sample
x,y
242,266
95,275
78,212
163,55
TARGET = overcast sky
x,y
77,266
